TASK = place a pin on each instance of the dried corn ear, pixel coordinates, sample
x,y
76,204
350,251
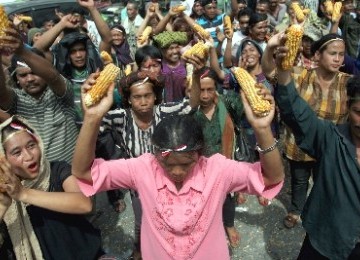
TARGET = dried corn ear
x,y
227,24
200,49
4,21
336,14
127,70
258,105
144,37
106,57
306,11
27,19
178,8
293,41
300,17
329,7
3,180
103,82
201,31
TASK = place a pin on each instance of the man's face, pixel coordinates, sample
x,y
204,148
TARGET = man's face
x,y
243,22
210,10
262,8
78,55
29,82
207,92
131,11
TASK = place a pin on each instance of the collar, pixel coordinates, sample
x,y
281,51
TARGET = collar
x,y
195,180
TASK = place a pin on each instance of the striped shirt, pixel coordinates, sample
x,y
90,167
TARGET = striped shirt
x,y
330,107
54,119
138,140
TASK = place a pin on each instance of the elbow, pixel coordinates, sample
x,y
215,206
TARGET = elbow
x,y
86,206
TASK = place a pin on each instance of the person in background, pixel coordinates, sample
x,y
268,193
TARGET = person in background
x,y
131,23
197,10
33,35
257,29
276,12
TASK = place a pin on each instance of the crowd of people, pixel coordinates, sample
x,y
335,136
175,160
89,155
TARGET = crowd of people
x,y
168,128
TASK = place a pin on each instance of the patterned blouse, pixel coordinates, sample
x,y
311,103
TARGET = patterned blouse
x,y
330,107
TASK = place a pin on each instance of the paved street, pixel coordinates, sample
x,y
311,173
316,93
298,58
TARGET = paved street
x,y
263,234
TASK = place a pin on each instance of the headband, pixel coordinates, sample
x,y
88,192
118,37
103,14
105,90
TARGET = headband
x,y
331,40
20,129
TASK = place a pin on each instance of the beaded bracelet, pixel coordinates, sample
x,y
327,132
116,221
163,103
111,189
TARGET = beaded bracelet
x,y
266,150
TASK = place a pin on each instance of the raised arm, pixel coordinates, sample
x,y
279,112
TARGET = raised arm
x,y
6,94
267,60
47,39
101,25
270,158
85,146
39,65
164,23
70,201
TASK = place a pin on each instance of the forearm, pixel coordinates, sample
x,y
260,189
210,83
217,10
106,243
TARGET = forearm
x,y
271,162
47,39
268,63
334,27
65,202
227,54
84,154
162,24
195,90
102,27
214,64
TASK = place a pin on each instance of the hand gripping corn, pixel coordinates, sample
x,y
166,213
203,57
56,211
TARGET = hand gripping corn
x,y
178,8
106,57
200,49
201,31
144,37
300,17
227,22
4,21
152,8
336,12
259,106
294,35
103,82
329,7
27,19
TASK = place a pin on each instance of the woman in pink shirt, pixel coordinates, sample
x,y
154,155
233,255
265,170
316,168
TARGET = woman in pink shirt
x,y
182,192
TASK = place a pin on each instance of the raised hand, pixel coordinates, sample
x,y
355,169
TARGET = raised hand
x,y
100,109
86,3
13,187
11,40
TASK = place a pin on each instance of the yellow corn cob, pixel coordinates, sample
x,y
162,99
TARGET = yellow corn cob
x,y
152,8
145,35
306,11
293,41
201,31
178,8
127,70
329,7
300,17
27,19
259,106
103,82
200,49
336,12
106,57
227,23
4,21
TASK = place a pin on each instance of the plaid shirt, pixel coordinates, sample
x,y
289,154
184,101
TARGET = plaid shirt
x,y
330,106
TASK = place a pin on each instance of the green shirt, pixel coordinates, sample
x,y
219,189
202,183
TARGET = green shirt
x,y
332,212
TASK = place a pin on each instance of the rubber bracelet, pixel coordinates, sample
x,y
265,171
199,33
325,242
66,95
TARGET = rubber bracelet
x,y
267,150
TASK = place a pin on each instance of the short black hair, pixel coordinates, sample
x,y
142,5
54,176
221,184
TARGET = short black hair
x,y
176,131
245,12
353,89
147,52
320,45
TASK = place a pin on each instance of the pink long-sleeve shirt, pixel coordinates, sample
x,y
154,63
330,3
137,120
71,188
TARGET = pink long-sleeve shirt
x,y
184,224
